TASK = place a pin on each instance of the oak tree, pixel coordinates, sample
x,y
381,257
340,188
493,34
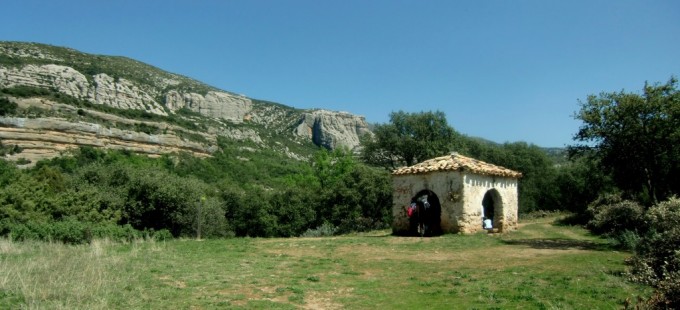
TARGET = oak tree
x,y
636,138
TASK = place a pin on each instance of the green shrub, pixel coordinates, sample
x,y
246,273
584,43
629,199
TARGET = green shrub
x,y
615,218
15,150
294,209
23,161
325,230
657,255
70,232
148,129
8,173
162,235
7,107
122,233
539,214
658,252
21,232
627,239
209,217
255,218
667,293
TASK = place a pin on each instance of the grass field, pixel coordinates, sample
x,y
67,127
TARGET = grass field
x,y
540,266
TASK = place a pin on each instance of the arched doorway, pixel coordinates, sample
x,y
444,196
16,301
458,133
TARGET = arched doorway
x,y
492,210
433,213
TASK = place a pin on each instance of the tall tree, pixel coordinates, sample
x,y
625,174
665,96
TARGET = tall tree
x,y
536,187
636,137
408,138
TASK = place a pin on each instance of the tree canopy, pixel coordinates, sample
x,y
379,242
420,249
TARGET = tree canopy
x,y
636,138
408,139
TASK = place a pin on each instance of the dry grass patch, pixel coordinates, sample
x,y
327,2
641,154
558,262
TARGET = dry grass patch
x,y
54,275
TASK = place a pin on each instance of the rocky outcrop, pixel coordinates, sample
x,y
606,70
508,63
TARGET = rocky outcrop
x,y
43,138
41,126
124,94
214,104
99,89
47,137
332,129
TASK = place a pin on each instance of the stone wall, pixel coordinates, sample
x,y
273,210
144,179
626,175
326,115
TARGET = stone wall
x,y
448,186
460,196
476,186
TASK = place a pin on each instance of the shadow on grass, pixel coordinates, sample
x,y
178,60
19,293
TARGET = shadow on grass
x,y
379,236
572,220
561,244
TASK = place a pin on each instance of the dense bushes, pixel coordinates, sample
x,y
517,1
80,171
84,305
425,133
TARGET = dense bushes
x,y
612,216
7,107
653,235
352,197
326,229
71,231
657,255
108,194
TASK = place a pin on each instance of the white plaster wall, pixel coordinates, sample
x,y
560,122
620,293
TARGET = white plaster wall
x,y
460,195
475,187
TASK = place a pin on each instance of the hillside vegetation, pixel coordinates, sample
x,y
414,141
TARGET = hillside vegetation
x,y
259,178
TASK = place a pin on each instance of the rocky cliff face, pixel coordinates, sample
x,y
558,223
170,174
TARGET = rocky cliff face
x,y
125,84
332,129
123,94
214,104
44,138
47,137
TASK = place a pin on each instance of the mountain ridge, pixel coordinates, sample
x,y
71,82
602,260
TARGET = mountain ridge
x,y
43,80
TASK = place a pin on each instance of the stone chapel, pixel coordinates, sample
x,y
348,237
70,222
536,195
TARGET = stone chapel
x,y
461,191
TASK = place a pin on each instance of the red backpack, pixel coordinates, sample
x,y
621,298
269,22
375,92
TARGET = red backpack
x,y
411,209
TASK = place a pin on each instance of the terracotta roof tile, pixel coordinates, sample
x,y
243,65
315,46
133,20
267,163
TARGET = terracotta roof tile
x,y
457,162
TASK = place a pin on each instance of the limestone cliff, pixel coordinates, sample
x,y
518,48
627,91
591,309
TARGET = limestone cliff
x,y
123,94
190,114
332,129
46,137
214,104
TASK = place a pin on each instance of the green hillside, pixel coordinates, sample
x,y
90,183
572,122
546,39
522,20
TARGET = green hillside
x,y
276,185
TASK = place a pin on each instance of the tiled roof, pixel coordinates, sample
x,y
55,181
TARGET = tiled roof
x,y
457,162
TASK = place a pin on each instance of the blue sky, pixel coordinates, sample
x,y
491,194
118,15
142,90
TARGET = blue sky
x,y
502,70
